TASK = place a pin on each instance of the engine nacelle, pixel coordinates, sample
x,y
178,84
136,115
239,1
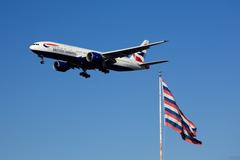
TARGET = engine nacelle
x,y
94,57
61,66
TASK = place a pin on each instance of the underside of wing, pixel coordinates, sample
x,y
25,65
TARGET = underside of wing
x,y
128,51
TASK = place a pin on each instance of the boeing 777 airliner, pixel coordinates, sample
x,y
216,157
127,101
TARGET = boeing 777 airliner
x,y
70,57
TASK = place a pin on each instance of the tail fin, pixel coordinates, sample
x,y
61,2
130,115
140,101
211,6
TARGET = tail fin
x,y
139,56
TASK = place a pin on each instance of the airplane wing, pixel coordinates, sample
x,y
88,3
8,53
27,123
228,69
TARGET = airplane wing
x,y
128,51
154,62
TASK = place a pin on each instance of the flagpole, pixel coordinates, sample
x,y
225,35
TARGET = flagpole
x,y
160,115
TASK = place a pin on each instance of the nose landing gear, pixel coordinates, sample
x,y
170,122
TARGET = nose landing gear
x,y
41,59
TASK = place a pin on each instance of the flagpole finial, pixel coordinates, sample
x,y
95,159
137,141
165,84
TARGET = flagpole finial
x,y
160,73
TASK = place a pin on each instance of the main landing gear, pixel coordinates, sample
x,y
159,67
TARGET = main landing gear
x,y
106,71
85,74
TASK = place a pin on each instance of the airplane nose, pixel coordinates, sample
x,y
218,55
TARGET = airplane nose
x,y
31,47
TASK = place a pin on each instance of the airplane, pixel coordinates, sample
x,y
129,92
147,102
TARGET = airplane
x,y
69,57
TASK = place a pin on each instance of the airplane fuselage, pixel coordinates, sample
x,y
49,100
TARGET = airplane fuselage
x,y
69,57
76,56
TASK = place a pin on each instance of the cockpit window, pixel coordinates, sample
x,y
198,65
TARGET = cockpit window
x,y
36,44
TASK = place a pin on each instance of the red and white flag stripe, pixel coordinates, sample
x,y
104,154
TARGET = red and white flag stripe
x,y
175,119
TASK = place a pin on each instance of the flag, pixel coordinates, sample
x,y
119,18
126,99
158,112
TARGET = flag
x,y
175,119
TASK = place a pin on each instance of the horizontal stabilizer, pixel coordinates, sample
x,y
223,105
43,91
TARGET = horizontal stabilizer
x,y
154,62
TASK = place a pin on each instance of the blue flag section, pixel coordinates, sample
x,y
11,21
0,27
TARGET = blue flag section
x,y
174,117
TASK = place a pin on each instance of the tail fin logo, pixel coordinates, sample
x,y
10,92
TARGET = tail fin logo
x,y
138,58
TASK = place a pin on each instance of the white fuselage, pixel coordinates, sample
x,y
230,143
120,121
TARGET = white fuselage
x,y
71,53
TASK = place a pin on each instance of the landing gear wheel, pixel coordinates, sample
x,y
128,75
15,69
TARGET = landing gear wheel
x,y
106,71
85,74
42,60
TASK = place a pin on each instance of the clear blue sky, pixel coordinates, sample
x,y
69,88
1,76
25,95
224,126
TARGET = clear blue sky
x,y
46,115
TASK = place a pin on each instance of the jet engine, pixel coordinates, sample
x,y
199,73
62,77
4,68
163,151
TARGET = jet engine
x,y
94,57
61,66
